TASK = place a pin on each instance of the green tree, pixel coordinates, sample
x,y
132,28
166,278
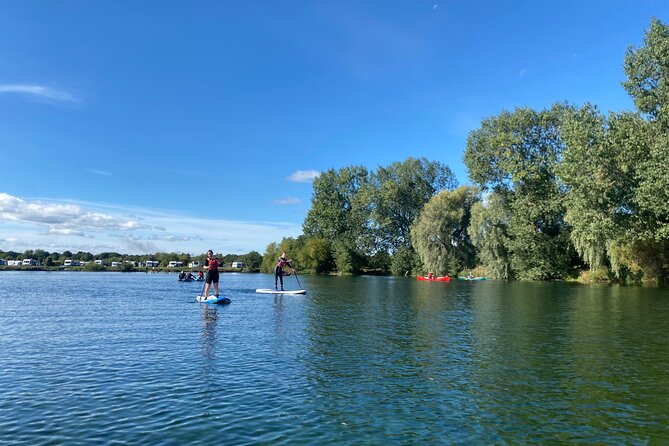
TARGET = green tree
x,y
405,262
269,258
252,260
489,232
439,234
397,194
340,213
317,256
92,267
616,197
615,170
516,154
40,255
647,72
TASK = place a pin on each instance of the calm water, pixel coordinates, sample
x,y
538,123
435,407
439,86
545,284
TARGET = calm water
x,y
113,358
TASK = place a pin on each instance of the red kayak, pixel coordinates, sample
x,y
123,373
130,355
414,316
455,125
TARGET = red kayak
x,y
435,279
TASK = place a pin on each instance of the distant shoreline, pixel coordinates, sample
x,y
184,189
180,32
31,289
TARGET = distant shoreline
x,y
116,270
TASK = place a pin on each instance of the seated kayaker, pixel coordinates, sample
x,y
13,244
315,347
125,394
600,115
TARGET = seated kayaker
x,y
430,275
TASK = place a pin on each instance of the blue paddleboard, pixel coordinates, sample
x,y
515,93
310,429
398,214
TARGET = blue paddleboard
x,y
213,300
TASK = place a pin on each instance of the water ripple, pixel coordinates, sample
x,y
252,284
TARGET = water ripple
x,y
132,359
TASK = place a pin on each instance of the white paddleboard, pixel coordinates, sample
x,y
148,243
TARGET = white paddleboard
x,y
213,300
271,291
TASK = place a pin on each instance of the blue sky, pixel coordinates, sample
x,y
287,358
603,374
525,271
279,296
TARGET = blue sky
x,y
185,126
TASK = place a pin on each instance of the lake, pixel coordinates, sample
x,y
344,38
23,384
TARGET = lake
x,y
131,358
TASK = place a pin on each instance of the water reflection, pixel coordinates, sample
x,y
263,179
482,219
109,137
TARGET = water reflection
x,y
487,362
209,323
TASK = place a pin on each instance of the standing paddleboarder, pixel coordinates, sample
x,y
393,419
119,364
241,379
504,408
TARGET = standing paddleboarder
x,y
278,271
211,265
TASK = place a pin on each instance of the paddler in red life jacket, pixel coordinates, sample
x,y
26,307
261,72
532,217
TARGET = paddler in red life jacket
x,y
211,265
278,271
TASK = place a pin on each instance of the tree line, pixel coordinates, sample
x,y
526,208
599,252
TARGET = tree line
x,y
557,193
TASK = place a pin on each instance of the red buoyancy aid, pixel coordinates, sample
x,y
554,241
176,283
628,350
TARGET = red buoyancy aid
x,y
212,264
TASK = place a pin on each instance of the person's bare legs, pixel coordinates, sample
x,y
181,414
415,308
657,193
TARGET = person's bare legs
x,y
206,290
216,289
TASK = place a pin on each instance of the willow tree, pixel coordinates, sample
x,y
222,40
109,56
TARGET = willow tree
x,y
439,233
647,71
515,154
396,195
616,171
599,169
489,232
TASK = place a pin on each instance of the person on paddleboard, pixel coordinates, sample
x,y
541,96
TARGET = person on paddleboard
x,y
211,265
278,271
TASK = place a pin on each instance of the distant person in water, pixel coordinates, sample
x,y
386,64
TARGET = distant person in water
x,y
211,264
200,275
278,271
182,275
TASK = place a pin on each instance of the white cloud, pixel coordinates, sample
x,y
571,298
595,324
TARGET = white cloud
x,y
57,215
522,73
94,227
303,176
40,92
289,201
65,231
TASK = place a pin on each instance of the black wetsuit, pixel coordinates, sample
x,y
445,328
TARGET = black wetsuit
x,y
278,271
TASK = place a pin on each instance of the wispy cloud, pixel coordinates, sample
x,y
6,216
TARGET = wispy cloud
x,y
94,227
40,92
522,73
65,231
289,201
99,172
303,176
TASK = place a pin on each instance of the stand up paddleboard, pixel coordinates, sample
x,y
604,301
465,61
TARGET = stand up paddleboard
x,y
213,300
271,291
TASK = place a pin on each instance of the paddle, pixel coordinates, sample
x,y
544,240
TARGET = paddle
x,y
298,280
